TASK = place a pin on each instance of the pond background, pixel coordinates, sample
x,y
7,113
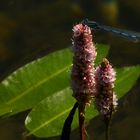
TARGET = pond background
x,y
30,29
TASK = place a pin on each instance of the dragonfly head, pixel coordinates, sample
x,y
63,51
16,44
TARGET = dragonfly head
x,y
85,21
92,24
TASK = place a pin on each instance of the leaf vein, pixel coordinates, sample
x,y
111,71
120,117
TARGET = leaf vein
x,y
37,85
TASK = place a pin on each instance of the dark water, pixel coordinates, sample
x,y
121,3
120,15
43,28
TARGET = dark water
x,y
30,29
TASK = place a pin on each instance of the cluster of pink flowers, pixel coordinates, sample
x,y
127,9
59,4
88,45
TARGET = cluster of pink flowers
x,y
86,82
83,80
105,77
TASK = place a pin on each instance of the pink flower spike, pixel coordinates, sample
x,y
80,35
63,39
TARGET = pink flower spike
x,y
82,75
106,100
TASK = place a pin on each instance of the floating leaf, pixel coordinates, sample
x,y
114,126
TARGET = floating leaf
x,y
102,52
48,117
30,84
126,78
35,81
45,84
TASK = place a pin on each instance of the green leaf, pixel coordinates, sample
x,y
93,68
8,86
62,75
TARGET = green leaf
x,y
126,78
45,84
54,110
102,53
35,81
50,114
48,117
30,84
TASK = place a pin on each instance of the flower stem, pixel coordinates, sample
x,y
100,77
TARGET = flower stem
x,y
82,129
107,133
108,125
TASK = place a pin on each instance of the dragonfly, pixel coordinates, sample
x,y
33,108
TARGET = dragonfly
x,y
130,35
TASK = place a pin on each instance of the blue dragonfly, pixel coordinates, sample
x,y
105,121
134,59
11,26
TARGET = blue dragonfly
x,y
130,35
